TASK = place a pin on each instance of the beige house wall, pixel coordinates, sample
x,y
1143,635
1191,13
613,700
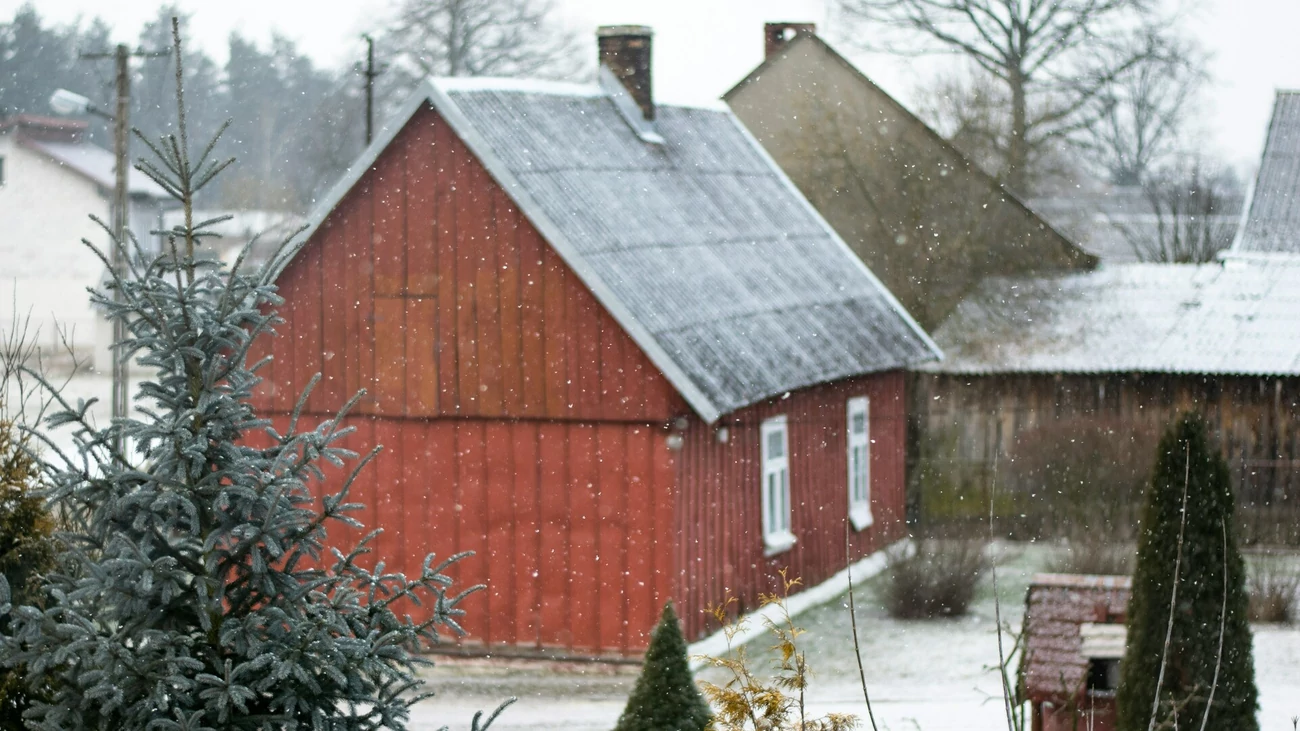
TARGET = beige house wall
x,y
922,217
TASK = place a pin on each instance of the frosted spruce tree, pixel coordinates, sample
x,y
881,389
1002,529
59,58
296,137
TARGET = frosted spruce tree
x,y
201,592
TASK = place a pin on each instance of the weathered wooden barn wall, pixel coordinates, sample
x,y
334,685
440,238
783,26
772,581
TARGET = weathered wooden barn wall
x,y
519,421
720,516
1256,421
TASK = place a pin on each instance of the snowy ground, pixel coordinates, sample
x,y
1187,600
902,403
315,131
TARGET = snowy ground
x,y
922,675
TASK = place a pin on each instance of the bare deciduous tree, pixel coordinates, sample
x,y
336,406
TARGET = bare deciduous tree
x,y
480,38
1052,57
1192,216
1140,117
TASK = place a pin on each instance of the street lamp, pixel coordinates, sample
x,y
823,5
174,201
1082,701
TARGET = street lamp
x,y
68,103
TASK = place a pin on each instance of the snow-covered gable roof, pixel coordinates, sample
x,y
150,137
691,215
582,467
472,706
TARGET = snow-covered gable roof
x,y
700,247
1239,317
1272,223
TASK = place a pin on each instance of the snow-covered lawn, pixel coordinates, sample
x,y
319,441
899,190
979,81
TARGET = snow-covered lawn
x,y
922,675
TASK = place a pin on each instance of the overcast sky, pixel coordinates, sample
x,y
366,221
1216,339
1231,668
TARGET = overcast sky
x,y
702,47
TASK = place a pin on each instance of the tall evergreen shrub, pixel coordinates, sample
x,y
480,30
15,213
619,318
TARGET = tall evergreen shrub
x,y
665,697
201,592
1210,564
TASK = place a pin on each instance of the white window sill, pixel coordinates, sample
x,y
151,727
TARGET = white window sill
x,y
777,543
860,517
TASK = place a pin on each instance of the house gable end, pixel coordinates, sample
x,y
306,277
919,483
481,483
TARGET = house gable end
x,y
923,217
426,285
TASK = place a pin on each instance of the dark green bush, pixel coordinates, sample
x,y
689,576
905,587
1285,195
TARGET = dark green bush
x,y
665,697
1185,670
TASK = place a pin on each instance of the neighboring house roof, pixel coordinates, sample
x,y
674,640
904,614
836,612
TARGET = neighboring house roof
x,y
1085,256
1059,608
1236,317
96,163
1272,224
700,247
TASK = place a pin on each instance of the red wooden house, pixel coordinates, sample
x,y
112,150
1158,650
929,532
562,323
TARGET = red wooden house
x,y
608,347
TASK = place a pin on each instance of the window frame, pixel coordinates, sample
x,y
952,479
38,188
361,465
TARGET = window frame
x,y
859,500
777,534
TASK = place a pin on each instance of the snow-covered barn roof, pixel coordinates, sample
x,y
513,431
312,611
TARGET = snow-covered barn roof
x,y
1241,316
689,234
1272,223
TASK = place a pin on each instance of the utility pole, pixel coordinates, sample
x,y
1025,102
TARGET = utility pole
x,y
371,73
121,211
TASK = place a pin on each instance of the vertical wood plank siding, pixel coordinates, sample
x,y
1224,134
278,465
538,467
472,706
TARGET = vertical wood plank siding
x,y
720,516
518,419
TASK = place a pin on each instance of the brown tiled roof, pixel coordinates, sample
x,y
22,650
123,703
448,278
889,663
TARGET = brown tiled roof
x,y
1055,607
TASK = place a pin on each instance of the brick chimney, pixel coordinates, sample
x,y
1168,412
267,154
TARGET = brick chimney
x,y
625,51
777,35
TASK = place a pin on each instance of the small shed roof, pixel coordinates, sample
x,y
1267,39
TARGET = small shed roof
x,y
1057,609
1272,223
689,234
1237,317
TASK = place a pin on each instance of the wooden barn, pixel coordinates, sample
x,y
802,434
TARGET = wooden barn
x,y
608,347
1129,347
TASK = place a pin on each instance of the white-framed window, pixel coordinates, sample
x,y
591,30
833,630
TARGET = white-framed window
x,y
776,485
859,457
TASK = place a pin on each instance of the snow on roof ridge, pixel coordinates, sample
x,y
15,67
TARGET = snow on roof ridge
x,y
451,84
589,90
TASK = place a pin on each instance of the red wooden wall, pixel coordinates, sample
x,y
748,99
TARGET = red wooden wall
x,y
720,516
519,420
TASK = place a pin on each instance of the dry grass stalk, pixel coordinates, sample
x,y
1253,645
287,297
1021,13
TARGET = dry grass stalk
x,y
1273,585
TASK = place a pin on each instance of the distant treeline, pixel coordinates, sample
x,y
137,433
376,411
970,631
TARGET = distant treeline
x,y
294,126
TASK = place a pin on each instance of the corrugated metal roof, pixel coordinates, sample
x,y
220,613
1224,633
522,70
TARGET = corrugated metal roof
x,y
1273,222
700,246
97,164
1241,316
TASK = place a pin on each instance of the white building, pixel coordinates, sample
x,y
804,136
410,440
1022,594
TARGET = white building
x,y
51,181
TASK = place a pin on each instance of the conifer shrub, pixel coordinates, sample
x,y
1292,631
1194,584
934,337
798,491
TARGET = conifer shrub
x,y
26,555
1188,559
197,586
665,696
